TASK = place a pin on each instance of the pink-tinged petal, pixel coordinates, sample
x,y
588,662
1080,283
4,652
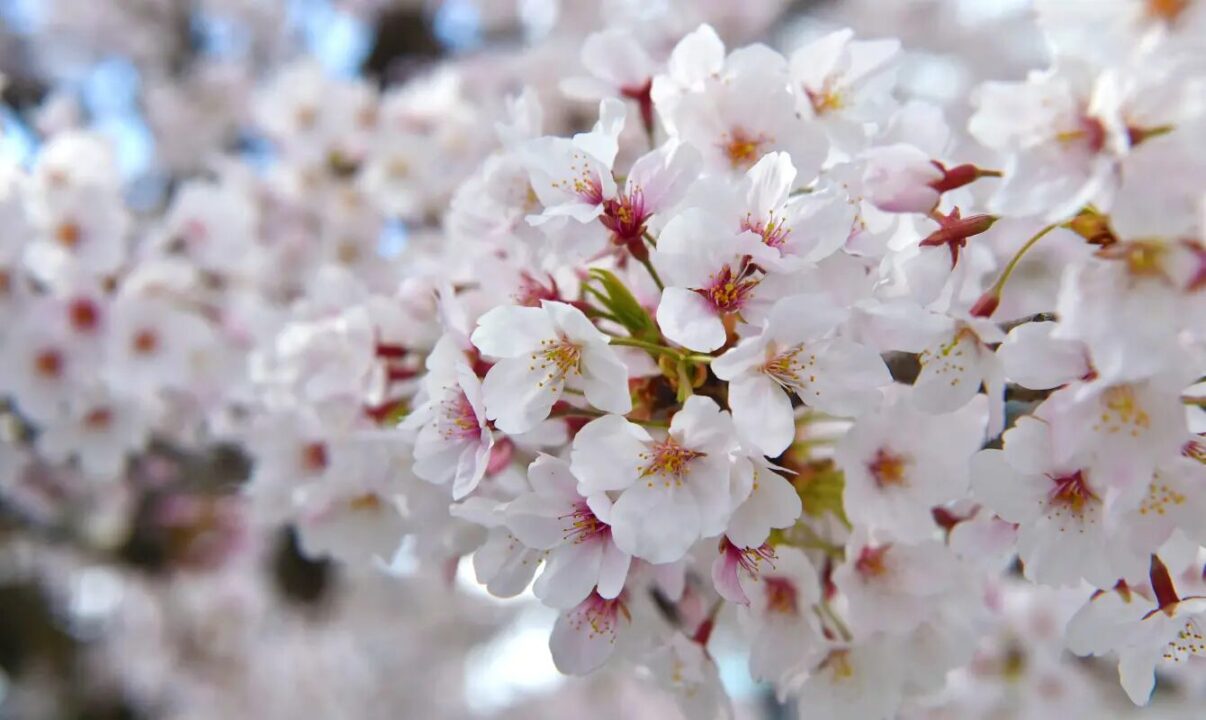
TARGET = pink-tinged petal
x,y
516,395
511,331
606,454
570,573
762,413
471,467
725,580
585,637
661,176
604,380
551,476
655,522
613,571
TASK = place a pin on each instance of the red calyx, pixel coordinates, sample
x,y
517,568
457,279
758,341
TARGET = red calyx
x,y
958,176
986,305
643,95
954,230
1162,584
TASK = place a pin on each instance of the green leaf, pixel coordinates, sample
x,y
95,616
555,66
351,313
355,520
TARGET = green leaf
x,y
821,492
618,301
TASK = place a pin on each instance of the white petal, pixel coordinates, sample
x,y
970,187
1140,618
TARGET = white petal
x,y
511,331
570,574
773,503
577,649
688,319
613,571
1003,490
950,374
552,476
537,520
1137,672
606,454
604,380
762,413
1035,360
516,395
655,522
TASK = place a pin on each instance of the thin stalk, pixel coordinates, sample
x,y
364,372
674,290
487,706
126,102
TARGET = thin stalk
x,y
652,273
1017,257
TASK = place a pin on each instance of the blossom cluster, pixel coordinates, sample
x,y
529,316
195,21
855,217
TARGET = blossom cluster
x,y
682,333
772,349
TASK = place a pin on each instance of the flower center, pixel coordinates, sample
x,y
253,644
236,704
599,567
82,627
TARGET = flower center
x,y
871,562
98,419
597,616
83,314
742,149
68,235
1187,643
1167,10
772,231
1120,410
49,363
145,342
625,216
785,368
583,525
1159,496
458,421
314,457
888,468
837,663
584,182
368,502
728,291
559,358
1072,492
827,99
1089,131
781,596
669,460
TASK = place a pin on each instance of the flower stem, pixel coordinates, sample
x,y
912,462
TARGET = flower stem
x,y
644,345
1017,257
652,273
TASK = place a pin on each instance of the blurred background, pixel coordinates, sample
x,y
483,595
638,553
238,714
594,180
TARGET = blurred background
x,y
161,594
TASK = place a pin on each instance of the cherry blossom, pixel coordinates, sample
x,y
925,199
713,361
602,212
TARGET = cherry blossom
x,y
541,352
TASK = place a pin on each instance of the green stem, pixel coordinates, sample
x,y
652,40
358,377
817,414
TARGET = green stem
x,y
644,345
652,273
1017,257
